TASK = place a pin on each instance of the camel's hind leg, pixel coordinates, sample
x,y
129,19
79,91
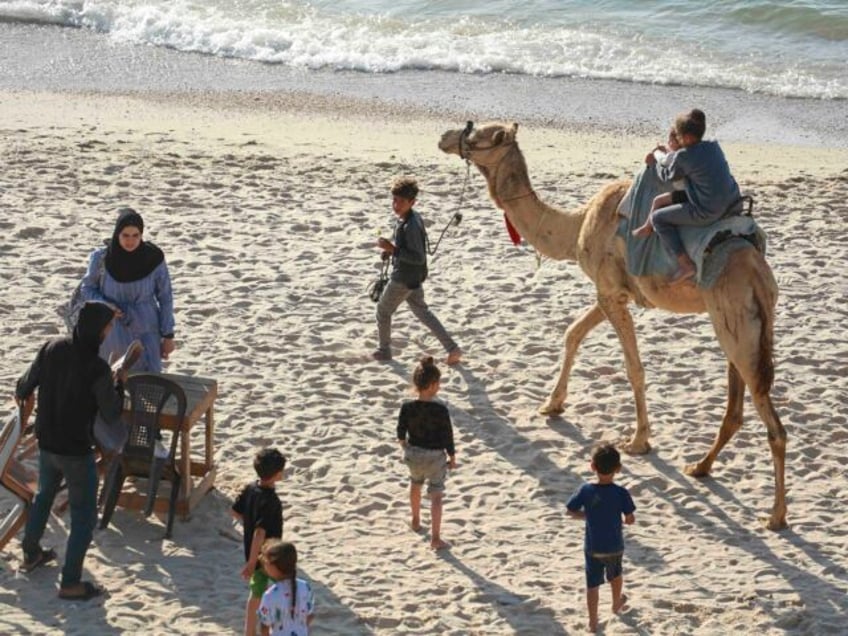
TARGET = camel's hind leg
x,y
574,335
741,307
731,423
777,442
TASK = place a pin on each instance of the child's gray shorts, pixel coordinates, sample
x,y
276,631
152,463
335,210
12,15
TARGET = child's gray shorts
x,y
426,464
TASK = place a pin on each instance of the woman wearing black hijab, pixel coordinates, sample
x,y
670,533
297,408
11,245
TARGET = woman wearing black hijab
x,y
131,274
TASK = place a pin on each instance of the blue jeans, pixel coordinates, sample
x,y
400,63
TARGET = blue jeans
x,y
393,295
80,473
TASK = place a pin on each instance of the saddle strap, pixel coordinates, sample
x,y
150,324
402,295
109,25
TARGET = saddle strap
x,y
738,207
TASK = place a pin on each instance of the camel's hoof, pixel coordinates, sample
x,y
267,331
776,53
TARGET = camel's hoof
x,y
696,470
551,409
775,524
634,448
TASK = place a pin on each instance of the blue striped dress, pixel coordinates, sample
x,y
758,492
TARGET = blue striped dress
x,y
147,304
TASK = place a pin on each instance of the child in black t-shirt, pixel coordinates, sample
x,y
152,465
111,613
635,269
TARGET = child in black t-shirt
x,y
259,509
425,433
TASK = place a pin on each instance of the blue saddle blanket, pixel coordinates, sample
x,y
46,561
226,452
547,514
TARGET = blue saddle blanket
x,y
648,257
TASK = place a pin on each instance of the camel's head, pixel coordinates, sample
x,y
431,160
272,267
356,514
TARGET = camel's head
x,y
482,145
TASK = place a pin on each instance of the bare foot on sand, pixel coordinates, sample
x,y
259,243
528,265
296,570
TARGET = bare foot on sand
x,y
454,357
622,603
415,525
438,544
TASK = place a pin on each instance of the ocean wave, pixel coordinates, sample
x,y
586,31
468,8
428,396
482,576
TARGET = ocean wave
x,y
822,21
310,37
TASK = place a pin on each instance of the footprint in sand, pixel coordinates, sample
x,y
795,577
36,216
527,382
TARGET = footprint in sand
x,y
31,232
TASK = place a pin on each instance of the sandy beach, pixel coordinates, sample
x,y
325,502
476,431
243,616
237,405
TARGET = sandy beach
x,y
267,207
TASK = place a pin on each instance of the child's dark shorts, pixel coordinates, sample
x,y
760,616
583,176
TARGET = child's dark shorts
x,y
598,565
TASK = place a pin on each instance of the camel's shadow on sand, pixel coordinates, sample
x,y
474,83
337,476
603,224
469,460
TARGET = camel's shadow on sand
x,y
498,432
828,605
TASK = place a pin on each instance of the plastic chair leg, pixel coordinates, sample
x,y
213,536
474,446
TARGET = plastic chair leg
x,y
112,495
172,504
153,484
108,479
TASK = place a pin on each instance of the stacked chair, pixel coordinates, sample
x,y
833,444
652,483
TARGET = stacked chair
x,y
14,477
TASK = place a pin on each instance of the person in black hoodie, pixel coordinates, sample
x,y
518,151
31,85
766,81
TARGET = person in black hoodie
x,y
74,384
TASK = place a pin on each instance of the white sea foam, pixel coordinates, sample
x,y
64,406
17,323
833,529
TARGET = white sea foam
x,y
575,44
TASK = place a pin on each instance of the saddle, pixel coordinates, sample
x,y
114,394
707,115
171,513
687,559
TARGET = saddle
x,y
647,257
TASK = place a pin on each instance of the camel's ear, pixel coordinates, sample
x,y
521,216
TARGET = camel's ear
x,y
505,136
513,131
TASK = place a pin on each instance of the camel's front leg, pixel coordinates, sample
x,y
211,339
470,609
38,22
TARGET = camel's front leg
x,y
615,308
574,335
731,423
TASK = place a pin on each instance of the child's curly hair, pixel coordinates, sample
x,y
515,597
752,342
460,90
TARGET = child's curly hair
x,y
405,187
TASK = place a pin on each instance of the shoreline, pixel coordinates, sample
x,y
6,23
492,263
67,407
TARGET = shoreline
x,y
290,122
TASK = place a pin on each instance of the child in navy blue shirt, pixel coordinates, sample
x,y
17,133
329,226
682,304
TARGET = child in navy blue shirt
x,y
603,505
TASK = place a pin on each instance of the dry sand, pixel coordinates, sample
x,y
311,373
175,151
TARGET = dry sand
x,y
267,208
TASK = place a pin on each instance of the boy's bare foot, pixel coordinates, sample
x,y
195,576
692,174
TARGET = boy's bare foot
x,y
643,231
438,544
415,525
454,357
684,273
622,603
685,270
593,627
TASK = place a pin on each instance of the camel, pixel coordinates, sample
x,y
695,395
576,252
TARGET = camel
x,y
740,304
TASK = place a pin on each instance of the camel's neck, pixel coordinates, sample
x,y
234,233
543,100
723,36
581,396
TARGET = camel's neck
x,y
551,231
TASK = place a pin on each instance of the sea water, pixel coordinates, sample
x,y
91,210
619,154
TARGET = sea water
x,y
790,48
763,70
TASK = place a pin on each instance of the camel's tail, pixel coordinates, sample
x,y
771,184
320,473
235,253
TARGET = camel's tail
x,y
765,298
742,309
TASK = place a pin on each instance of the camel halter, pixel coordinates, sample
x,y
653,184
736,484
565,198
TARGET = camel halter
x,y
495,168
465,153
463,141
457,216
